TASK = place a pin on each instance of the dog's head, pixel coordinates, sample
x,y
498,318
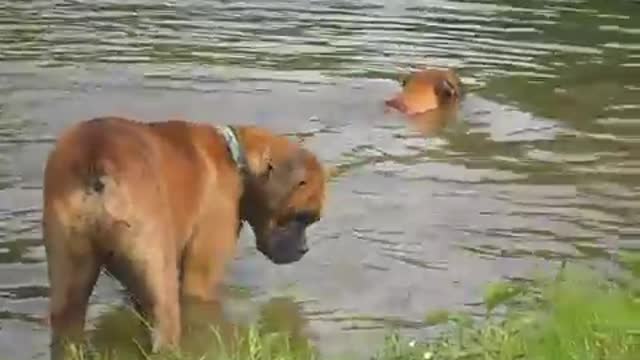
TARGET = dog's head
x,y
283,195
426,90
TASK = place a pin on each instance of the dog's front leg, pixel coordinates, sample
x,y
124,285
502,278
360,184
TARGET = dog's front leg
x,y
207,255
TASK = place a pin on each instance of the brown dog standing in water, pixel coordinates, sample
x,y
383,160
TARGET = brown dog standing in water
x,y
426,90
160,205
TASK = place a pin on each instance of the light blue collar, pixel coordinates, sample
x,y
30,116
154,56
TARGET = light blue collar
x,y
233,144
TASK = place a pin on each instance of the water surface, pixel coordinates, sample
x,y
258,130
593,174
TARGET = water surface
x,y
542,163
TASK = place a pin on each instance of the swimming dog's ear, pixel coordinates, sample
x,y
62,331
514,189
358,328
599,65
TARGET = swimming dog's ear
x,y
446,90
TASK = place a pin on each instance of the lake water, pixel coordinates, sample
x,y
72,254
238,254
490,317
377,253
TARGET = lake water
x,y
542,163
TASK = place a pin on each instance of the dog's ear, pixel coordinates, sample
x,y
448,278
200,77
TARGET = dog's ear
x,y
260,164
282,174
445,89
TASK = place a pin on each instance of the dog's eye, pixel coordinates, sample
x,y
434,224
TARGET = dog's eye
x,y
302,183
403,82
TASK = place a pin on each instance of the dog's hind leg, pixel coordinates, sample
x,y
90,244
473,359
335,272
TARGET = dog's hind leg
x,y
73,269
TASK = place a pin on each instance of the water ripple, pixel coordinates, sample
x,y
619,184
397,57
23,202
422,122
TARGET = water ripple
x,y
541,164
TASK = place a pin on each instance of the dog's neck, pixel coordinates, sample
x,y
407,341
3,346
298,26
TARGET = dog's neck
x,y
236,149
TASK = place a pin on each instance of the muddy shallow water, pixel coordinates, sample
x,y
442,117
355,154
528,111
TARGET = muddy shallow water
x,y
542,162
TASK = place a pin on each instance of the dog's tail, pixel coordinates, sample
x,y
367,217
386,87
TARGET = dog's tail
x,y
96,173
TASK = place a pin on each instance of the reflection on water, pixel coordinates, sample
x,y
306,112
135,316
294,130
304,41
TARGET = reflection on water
x,y
540,163
207,330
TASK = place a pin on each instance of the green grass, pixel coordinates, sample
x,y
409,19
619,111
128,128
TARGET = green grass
x,y
579,315
251,344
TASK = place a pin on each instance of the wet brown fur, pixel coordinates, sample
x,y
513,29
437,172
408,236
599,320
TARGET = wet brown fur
x,y
426,90
160,205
